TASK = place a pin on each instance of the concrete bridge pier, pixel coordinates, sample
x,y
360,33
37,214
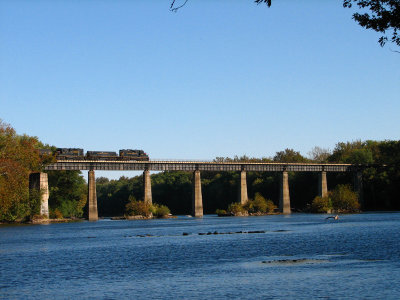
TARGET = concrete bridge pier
x,y
40,183
358,187
147,187
242,197
197,200
322,185
284,199
92,197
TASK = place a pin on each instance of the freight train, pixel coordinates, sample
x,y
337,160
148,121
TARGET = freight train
x,y
78,154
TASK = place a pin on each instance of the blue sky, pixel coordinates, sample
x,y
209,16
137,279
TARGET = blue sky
x,y
217,78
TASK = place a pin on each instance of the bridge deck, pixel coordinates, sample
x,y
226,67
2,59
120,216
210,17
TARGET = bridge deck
x,y
196,165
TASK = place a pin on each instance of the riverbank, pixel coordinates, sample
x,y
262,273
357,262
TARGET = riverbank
x,y
139,217
43,221
48,221
247,214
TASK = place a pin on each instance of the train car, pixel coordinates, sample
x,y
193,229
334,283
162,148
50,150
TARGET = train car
x,y
69,153
129,154
101,155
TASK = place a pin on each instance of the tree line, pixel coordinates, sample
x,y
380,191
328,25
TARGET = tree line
x,y
19,157
220,189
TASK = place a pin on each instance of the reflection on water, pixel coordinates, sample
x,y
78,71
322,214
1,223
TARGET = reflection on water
x,y
273,257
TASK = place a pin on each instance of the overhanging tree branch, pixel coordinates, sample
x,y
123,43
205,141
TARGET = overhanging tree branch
x,y
381,15
175,9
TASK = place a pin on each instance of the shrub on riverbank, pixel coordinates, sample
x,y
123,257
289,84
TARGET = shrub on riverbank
x,y
341,200
321,205
237,209
259,205
141,208
344,199
160,211
137,208
221,212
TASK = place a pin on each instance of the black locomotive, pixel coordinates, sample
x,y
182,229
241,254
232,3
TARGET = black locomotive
x,y
78,154
69,153
129,154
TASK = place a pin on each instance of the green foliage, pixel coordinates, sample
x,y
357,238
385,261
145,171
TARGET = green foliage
x,y
141,208
344,199
138,208
270,206
290,156
356,152
174,189
221,212
259,205
56,214
236,209
360,156
35,199
321,205
160,211
112,195
68,192
102,180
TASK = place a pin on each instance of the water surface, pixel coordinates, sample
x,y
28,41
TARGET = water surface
x,y
300,256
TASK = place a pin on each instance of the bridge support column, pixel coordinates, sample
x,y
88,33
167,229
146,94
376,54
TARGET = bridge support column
x,y
284,199
322,185
197,200
39,182
92,197
358,187
147,187
243,188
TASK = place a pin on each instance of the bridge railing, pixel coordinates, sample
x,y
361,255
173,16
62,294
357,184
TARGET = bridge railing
x,y
179,160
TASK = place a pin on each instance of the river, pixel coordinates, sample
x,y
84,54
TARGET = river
x,y
301,256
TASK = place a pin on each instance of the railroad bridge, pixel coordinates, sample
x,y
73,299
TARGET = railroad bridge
x,y
39,180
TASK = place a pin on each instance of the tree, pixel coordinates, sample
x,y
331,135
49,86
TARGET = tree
x,y
102,180
384,16
18,158
318,154
290,156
